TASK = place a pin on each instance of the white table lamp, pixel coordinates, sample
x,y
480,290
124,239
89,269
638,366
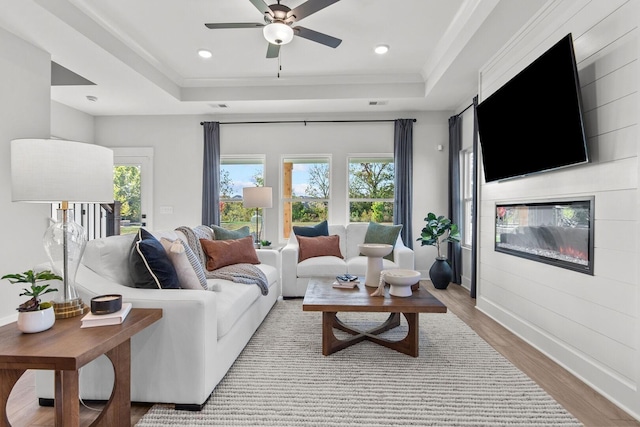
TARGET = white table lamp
x,y
257,197
59,171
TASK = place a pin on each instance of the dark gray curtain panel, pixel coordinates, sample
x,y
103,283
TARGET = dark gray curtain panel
x,y
403,159
474,202
454,250
211,174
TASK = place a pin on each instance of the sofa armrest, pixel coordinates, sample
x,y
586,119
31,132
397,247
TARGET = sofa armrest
x,y
176,346
289,271
269,257
403,256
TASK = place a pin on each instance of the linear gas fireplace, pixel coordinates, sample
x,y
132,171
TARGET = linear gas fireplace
x,y
556,232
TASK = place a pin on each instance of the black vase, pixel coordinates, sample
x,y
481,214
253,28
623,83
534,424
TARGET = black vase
x,y
440,273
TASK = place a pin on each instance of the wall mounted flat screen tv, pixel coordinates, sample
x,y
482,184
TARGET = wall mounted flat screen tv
x,y
534,123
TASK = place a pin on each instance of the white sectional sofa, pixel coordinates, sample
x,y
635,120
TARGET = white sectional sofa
x,y
295,275
181,358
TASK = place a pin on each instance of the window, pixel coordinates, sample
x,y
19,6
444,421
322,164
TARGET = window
x,y
466,157
235,174
371,189
305,191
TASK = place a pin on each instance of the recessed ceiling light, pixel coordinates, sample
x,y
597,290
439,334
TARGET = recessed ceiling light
x,y
381,49
205,53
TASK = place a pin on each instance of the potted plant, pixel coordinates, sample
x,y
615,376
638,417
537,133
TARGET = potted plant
x,y
265,243
439,230
34,315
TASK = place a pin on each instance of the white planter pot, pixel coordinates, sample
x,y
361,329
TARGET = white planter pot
x,y
36,321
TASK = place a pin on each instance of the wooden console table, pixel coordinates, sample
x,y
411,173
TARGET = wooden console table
x,y
65,348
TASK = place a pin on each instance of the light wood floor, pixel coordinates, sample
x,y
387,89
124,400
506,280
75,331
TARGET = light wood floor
x,y
584,403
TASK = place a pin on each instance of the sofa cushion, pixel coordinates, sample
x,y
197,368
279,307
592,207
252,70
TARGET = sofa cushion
x,y
321,229
322,266
318,246
220,233
185,261
236,298
109,257
380,233
221,253
149,265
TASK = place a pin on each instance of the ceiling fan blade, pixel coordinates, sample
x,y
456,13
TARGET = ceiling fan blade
x,y
273,51
234,25
309,7
262,7
317,37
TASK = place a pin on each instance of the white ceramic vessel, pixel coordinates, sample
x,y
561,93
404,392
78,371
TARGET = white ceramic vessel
x,y
374,252
400,281
36,321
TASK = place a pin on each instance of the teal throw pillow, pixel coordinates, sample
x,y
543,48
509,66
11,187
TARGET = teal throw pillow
x,y
220,233
386,234
321,229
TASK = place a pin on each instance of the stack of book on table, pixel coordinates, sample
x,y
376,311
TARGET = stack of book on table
x,y
346,281
91,320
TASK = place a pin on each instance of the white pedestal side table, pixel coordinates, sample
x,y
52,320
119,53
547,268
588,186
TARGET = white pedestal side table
x,y
374,253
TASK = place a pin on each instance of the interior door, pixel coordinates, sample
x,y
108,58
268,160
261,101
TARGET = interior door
x,y
133,179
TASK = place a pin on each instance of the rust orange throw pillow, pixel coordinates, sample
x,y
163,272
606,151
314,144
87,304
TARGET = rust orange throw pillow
x,y
318,246
221,253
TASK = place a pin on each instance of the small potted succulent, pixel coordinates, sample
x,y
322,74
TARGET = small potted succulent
x,y
439,230
34,315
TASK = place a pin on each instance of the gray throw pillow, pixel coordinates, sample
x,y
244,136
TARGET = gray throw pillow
x,y
386,234
220,233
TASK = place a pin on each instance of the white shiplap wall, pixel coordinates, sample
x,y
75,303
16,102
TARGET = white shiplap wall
x,y
589,324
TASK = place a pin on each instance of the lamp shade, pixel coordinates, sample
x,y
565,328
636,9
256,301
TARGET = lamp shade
x,y
257,197
52,170
278,33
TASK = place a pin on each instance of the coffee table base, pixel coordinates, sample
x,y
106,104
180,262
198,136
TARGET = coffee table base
x,y
331,344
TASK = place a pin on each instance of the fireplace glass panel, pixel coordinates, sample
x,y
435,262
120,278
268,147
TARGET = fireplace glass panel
x,y
554,232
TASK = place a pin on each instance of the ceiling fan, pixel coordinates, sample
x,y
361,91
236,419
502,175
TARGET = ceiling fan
x,y
278,29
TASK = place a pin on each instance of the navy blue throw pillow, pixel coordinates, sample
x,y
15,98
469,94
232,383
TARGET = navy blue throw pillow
x,y
149,264
321,229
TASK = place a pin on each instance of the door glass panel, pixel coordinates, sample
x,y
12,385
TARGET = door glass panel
x,y
126,189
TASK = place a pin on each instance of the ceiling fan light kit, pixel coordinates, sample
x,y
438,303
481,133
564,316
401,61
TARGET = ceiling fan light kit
x,y
279,19
278,33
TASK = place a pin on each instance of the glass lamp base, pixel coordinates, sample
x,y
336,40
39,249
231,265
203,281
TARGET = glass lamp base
x,y
71,308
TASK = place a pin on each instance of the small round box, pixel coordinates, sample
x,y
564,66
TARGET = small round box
x,y
106,304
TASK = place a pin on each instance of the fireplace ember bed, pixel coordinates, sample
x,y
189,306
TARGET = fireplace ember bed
x,y
556,232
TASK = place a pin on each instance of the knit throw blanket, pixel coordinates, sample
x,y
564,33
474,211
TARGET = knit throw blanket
x,y
239,273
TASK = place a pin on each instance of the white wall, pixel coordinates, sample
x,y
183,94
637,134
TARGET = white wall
x,y
71,124
178,145
589,324
25,84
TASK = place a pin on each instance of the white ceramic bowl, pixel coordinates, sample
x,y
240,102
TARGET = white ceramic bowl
x,y
400,281
375,249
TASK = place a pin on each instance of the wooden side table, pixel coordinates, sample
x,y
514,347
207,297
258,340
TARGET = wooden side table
x,y
65,348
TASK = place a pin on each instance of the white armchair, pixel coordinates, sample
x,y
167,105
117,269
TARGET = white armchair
x,y
295,275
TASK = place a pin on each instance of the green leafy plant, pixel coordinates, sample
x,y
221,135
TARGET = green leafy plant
x,y
35,291
438,230
265,242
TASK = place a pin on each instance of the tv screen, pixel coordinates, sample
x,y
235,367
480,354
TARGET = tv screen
x,y
533,123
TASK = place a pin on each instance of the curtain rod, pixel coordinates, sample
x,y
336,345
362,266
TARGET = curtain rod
x,y
466,108
306,121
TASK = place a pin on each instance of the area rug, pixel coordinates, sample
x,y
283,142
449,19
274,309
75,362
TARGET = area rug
x,y
282,379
